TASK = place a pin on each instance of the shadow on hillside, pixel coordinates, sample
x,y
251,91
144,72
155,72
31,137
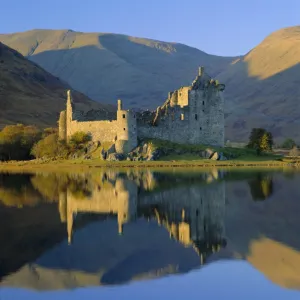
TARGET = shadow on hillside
x,y
253,102
118,67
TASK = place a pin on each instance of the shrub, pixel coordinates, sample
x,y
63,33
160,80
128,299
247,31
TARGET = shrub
x,y
49,147
48,131
78,139
294,152
16,141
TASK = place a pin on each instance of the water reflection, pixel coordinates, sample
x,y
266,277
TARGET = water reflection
x,y
114,227
261,187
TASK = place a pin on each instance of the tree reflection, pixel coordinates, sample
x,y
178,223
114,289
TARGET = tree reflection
x,y
261,187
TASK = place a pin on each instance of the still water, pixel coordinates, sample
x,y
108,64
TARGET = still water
x,y
150,235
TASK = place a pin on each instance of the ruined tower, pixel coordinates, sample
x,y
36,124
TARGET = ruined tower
x,y
65,119
191,115
126,130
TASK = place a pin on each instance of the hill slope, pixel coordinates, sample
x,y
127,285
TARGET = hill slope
x,y
30,95
110,66
262,87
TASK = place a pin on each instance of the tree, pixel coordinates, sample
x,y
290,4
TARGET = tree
x,y
260,140
266,142
288,143
16,141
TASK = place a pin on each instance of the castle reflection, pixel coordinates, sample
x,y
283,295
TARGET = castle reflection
x,y
193,214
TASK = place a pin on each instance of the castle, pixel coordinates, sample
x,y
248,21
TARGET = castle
x,y
191,115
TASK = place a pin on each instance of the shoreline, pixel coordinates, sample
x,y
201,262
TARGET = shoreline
x,y
89,165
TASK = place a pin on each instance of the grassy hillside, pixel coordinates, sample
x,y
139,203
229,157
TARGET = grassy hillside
x,y
30,95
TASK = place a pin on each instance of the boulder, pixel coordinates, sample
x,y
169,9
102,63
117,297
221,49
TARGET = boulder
x,y
215,156
222,157
115,157
111,149
208,153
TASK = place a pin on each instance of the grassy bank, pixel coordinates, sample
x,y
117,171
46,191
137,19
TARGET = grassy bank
x,y
189,162
174,156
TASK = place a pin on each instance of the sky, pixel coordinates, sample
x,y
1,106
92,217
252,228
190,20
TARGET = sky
x,y
220,27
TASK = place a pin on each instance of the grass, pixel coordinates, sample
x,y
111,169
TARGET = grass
x,y
189,157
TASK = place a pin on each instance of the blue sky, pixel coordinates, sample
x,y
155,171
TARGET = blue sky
x,y
222,27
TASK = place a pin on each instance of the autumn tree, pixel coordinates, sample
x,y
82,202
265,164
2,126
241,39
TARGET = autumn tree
x,y
16,141
260,140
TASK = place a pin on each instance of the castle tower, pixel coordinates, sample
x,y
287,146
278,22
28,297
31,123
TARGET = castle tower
x,y
69,113
126,130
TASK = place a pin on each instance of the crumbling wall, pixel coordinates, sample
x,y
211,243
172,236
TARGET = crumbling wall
x,y
201,122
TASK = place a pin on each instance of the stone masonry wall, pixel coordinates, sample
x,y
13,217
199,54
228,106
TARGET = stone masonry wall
x,y
201,122
105,131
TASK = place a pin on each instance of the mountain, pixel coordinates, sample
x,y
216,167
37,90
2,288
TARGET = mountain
x,y
31,95
261,87
106,67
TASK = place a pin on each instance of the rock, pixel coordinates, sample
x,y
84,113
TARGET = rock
x,y
215,156
208,153
115,157
145,148
222,157
103,154
111,149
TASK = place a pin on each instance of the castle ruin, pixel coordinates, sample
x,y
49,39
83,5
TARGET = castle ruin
x,y
190,115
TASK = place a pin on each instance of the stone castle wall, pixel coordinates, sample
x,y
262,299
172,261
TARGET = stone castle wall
x,y
201,121
191,115
105,131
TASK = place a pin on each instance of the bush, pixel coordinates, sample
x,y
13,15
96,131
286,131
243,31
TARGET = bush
x,y
48,131
288,144
50,147
78,139
294,152
16,141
